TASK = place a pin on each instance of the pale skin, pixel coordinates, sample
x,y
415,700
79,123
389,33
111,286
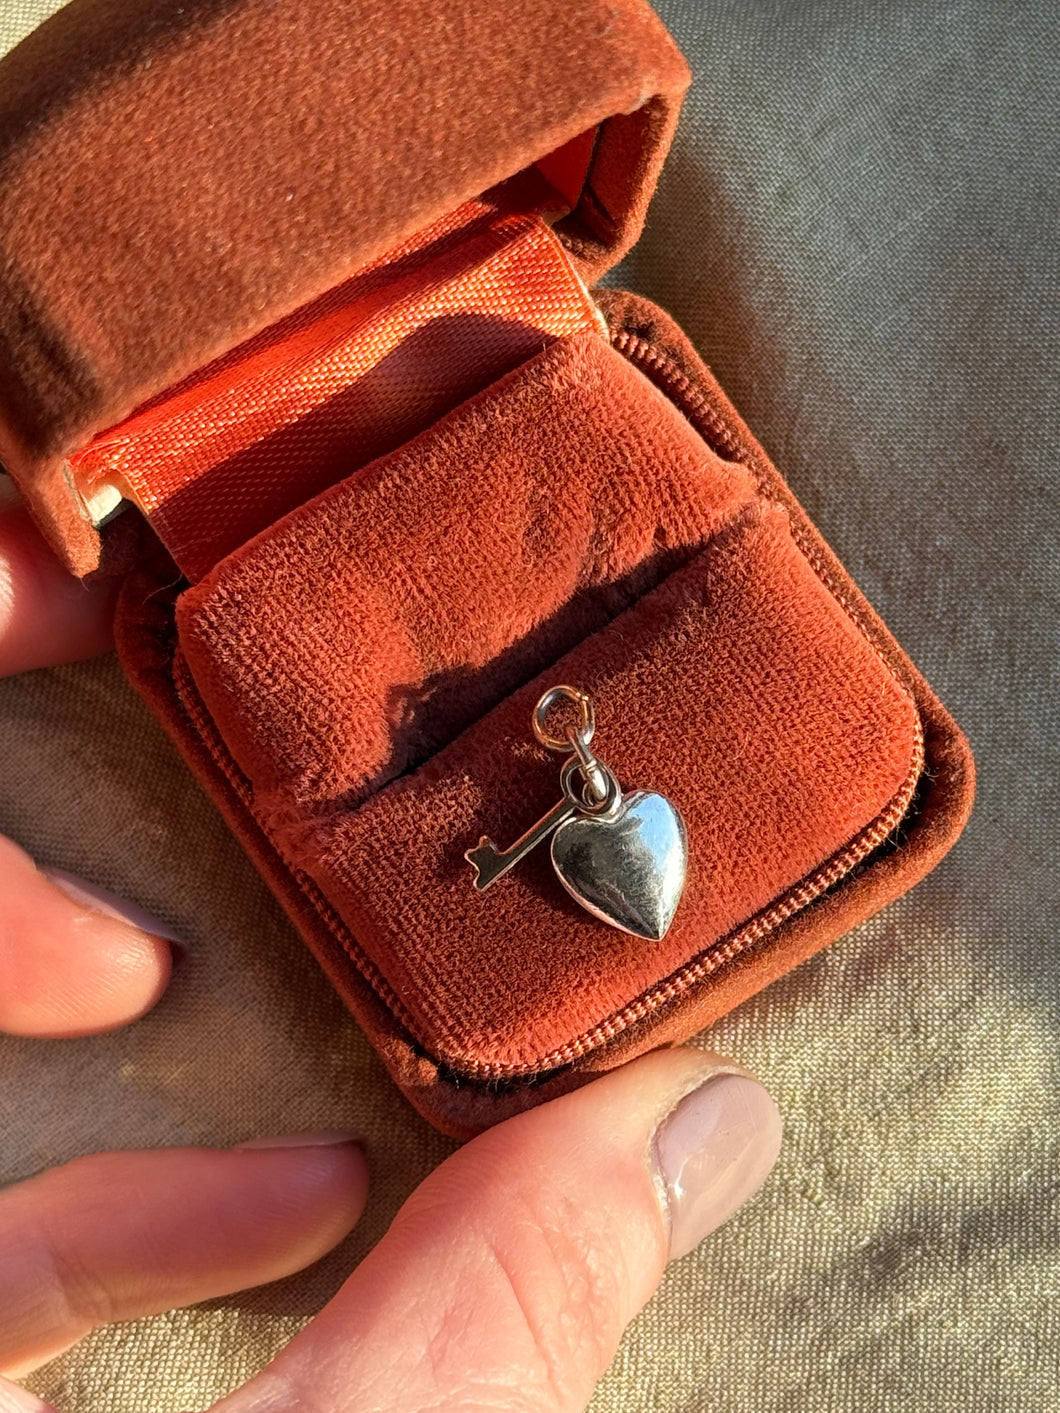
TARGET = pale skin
x,y
505,1282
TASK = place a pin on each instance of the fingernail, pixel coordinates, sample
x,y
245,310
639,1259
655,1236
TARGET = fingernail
x,y
90,895
331,1138
713,1152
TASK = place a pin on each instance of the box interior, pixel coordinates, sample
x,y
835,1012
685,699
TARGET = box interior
x,y
371,662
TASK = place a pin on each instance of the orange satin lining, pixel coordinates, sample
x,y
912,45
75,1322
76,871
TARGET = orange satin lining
x,y
347,379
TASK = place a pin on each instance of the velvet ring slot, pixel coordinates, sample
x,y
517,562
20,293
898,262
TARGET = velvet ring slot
x,y
372,660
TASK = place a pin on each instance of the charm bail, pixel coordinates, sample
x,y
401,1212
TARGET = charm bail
x,y
623,857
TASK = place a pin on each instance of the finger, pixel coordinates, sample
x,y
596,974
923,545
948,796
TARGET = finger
x,y
73,960
19,1400
507,1279
120,1235
46,615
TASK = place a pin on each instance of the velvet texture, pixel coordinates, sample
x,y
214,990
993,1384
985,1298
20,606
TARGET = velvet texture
x,y
347,644
174,179
830,772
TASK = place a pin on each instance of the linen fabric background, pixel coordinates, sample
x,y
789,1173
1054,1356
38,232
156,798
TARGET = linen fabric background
x,y
858,227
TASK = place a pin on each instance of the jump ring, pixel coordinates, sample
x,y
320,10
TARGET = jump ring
x,y
586,718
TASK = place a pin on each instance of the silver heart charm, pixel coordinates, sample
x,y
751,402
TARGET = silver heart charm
x,y
627,869
622,857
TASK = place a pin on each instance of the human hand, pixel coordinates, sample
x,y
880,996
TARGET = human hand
x,y
505,1281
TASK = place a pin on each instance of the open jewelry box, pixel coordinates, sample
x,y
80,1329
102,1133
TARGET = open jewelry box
x,y
309,283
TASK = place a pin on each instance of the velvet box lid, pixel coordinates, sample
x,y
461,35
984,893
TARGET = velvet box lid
x,y
175,178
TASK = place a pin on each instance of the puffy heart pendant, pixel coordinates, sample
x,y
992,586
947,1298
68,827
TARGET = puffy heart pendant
x,y
627,869
622,857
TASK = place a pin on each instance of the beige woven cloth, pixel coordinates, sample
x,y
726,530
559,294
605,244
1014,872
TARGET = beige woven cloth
x,y
858,227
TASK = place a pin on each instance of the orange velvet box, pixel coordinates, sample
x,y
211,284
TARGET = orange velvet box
x,y
308,286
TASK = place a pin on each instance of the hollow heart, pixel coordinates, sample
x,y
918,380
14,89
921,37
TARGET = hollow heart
x,y
626,868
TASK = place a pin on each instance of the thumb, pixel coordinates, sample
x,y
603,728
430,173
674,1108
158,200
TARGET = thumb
x,y
508,1277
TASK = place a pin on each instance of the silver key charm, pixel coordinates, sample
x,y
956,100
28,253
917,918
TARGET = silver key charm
x,y
623,857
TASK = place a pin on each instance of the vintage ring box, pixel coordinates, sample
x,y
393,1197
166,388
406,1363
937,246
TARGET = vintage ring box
x,y
309,282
